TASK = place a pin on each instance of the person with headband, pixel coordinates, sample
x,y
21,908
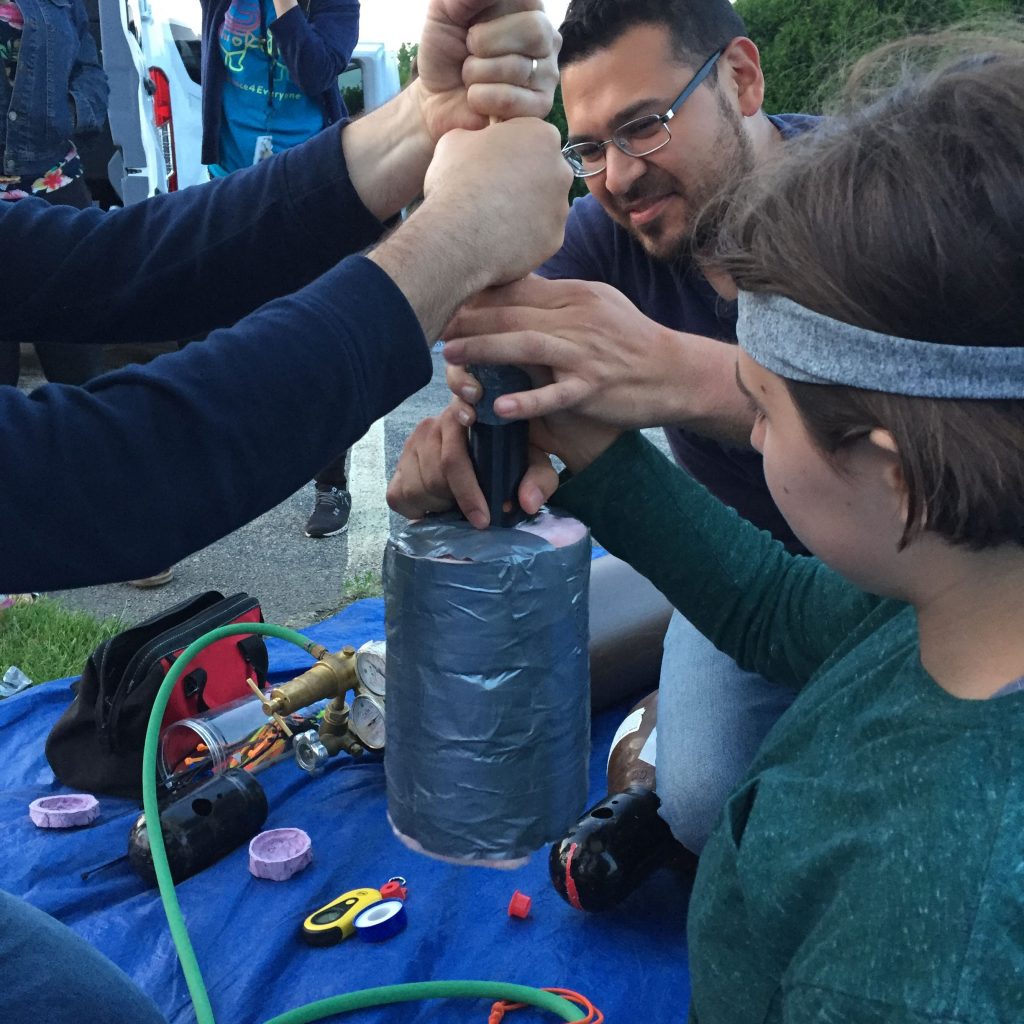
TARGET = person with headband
x,y
867,868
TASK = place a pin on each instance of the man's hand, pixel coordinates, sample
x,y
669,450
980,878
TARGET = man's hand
x,y
495,206
478,59
608,361
506,190
482,59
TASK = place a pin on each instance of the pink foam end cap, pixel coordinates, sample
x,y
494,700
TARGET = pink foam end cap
x,y
280,853
64,811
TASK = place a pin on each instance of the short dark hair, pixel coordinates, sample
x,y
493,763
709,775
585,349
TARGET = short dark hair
x,y
697,27
907,217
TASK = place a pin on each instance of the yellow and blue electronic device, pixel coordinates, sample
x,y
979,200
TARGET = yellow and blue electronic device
x,y
336,920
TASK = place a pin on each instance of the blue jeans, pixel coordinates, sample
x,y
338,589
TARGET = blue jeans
x,y
712,717
54,976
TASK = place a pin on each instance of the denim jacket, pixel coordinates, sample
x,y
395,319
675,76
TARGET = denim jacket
x,y
40,114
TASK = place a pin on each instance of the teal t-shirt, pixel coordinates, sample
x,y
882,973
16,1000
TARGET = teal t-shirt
x,y
260,96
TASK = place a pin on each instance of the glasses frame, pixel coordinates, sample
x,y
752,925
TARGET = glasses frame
x,y
577,169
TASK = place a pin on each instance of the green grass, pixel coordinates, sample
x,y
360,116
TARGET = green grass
x,y
47,641
366,584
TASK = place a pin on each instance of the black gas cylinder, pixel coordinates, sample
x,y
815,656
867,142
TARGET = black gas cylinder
x,y
203,825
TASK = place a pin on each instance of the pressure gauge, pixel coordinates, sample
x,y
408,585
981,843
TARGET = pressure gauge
x,y
366,720
370,666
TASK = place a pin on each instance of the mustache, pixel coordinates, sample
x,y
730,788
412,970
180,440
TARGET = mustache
x,y
651,186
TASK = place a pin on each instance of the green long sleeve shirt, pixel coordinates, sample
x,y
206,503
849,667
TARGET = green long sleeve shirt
x,y
870,866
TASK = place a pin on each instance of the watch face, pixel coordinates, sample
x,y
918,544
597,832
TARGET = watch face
x,y
370,666
366,719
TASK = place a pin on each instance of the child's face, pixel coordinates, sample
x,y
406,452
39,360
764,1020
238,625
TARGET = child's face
x,y
846,510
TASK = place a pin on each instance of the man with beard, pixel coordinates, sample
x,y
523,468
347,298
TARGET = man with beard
x,y
663,104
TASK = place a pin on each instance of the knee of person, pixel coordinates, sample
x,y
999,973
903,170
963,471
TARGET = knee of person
x,y
92,989
691,807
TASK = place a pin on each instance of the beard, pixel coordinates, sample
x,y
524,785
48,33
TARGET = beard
x,y
668,237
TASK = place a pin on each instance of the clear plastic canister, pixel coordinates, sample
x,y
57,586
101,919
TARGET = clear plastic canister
x,y
235,735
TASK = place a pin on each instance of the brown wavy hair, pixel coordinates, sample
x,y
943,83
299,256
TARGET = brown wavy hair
x,y
906,216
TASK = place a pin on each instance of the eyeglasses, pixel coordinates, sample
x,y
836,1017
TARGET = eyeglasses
x,y
639,137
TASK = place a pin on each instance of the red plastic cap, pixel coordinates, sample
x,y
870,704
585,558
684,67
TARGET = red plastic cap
x,y
393,891
519,905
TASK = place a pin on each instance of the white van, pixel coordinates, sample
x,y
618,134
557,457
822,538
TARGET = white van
x,y
151,54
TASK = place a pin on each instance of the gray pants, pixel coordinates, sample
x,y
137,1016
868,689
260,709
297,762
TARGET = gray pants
x,y
712,717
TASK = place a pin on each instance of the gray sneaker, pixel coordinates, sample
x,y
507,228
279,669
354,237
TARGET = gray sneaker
x,y
330,513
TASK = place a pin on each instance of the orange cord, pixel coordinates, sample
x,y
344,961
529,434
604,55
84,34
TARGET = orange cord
x,y
594,1015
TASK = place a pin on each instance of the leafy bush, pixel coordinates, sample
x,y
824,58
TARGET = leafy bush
x,y
807,46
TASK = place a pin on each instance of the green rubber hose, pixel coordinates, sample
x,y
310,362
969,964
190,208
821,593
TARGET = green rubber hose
x,y
324,1008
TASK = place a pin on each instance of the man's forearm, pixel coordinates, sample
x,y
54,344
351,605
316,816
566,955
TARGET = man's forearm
x,y
434,269
388,152
698,390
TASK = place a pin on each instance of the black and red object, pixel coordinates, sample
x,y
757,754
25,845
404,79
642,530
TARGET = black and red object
x,y
96,745
612,849
499,448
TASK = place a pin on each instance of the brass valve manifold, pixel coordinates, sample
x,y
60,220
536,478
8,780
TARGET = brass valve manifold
x,y
332,676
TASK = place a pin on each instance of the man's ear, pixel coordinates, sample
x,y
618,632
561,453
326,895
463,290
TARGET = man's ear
x,y
742,62
893,472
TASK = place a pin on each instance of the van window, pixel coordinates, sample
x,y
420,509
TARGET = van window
x,y
350,81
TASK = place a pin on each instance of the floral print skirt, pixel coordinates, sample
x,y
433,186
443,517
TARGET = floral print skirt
x,y
64,173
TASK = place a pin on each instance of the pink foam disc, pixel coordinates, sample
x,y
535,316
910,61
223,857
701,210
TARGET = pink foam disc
x,y
280,853
64,811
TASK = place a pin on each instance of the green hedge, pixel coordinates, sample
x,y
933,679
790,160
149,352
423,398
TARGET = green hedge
x,y
807,46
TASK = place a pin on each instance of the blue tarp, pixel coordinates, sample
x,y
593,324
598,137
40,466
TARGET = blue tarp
x,y
631,962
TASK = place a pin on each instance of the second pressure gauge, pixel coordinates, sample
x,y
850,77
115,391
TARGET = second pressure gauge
x,y
366,720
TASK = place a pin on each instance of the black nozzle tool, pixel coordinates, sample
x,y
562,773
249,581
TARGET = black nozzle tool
x,y
499,448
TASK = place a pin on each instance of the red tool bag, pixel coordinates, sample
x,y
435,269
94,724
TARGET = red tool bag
x,y
96,745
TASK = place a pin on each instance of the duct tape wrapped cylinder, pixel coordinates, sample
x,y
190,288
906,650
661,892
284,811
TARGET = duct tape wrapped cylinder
x,y
488,726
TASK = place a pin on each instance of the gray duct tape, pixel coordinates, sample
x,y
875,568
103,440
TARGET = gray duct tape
x,y
488,723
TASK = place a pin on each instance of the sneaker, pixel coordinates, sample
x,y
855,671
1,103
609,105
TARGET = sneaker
x,y
330,512
156,580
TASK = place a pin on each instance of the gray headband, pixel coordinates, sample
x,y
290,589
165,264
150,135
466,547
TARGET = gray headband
x,y
797,343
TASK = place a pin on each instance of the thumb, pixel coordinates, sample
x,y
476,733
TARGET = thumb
x,y
539,482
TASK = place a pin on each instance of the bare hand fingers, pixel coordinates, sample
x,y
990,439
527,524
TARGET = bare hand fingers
x,y
416,487
511,348
463,384
539,482
542,401
526,32
512,69
459,475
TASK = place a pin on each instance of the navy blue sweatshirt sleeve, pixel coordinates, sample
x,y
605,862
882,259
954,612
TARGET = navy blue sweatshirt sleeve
x,y
316,49
157,461
184,263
